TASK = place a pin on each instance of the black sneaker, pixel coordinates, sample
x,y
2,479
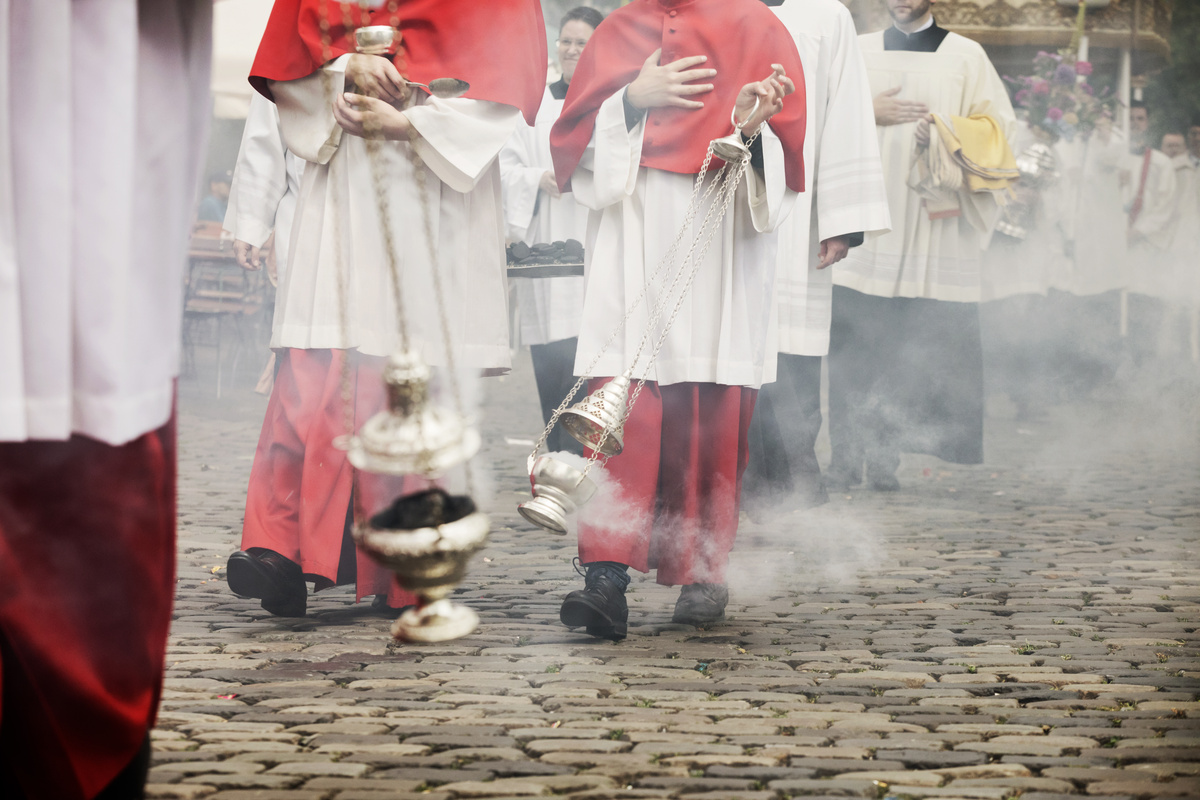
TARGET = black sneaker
x,y
270,577
701,603
600,605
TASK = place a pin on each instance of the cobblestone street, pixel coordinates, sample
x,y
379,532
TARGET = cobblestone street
x,y
1027,628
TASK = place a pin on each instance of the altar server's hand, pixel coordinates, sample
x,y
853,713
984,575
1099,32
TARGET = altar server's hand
x,y
247,255
833,250
366,116
769,93
374,76
922,132
669,85
548,184
890,110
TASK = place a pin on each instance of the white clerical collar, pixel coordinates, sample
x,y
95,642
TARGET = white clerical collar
x,y
928,24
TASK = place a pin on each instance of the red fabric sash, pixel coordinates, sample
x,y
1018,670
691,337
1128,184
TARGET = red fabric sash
x,y
1135,210
498,46
741,38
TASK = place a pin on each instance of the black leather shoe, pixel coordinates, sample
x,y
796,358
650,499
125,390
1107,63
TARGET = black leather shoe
x,y
599,606
701,603
268,576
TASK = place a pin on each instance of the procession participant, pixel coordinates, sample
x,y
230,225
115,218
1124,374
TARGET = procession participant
x,y
535,211
299,499
905,364
655,85
844,198
97,193
1084,302
1151,201
262,198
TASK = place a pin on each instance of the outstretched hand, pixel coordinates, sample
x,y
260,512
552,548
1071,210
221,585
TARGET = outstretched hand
x,y
769,93
669,85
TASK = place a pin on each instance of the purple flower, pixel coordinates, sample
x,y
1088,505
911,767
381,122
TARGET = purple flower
x,y
1054,114
1064,74
1021,97
1087,89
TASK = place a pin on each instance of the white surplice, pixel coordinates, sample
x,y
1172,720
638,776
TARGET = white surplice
x,y
266,183
724,331
1096,220
1149,265
843,176
101,136
937,259
548,308
338,226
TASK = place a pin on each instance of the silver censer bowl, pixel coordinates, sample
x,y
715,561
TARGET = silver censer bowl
x,y
558,490
427,540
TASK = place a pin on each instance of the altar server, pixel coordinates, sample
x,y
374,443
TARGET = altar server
x,y
905,365
536,211
844,199
99,166
657,82
435,176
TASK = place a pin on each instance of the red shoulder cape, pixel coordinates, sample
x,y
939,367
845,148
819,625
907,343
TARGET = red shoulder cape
x,y
498,46
741,38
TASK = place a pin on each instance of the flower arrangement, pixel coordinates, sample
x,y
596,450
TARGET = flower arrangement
x,y
1057,97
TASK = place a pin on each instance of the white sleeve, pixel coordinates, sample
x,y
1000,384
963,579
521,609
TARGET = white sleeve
x,y
459,138
608,171
850,193
770,198
1158,201
306,111
520,181
260,177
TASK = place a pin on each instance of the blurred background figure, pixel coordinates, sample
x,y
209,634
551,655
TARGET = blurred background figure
x,y
535,211
213,205
91,291
1150,204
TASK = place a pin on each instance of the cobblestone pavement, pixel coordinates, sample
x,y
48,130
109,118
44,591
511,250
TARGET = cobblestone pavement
x,y
1028,627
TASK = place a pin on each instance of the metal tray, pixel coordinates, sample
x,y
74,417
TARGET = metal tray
x,y
545,270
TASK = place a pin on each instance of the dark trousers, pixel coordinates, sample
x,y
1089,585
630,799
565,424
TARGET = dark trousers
x,y
554,372
784,473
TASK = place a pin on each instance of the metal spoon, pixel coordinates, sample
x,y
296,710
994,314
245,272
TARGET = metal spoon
x,y
444,88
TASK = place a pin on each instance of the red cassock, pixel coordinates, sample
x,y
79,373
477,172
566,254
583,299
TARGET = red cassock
x,y
741,38
79,686
497,46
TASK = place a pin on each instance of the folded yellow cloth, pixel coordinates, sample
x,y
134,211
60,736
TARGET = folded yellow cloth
x,y
980,148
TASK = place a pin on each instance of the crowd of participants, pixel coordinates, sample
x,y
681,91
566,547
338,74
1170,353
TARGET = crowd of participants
x,y
873,234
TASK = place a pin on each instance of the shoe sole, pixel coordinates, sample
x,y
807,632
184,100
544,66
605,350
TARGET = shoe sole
x,y
686,620
581,614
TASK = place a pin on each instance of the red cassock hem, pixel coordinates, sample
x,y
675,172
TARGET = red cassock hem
x,y
87,576
300,483
677,483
